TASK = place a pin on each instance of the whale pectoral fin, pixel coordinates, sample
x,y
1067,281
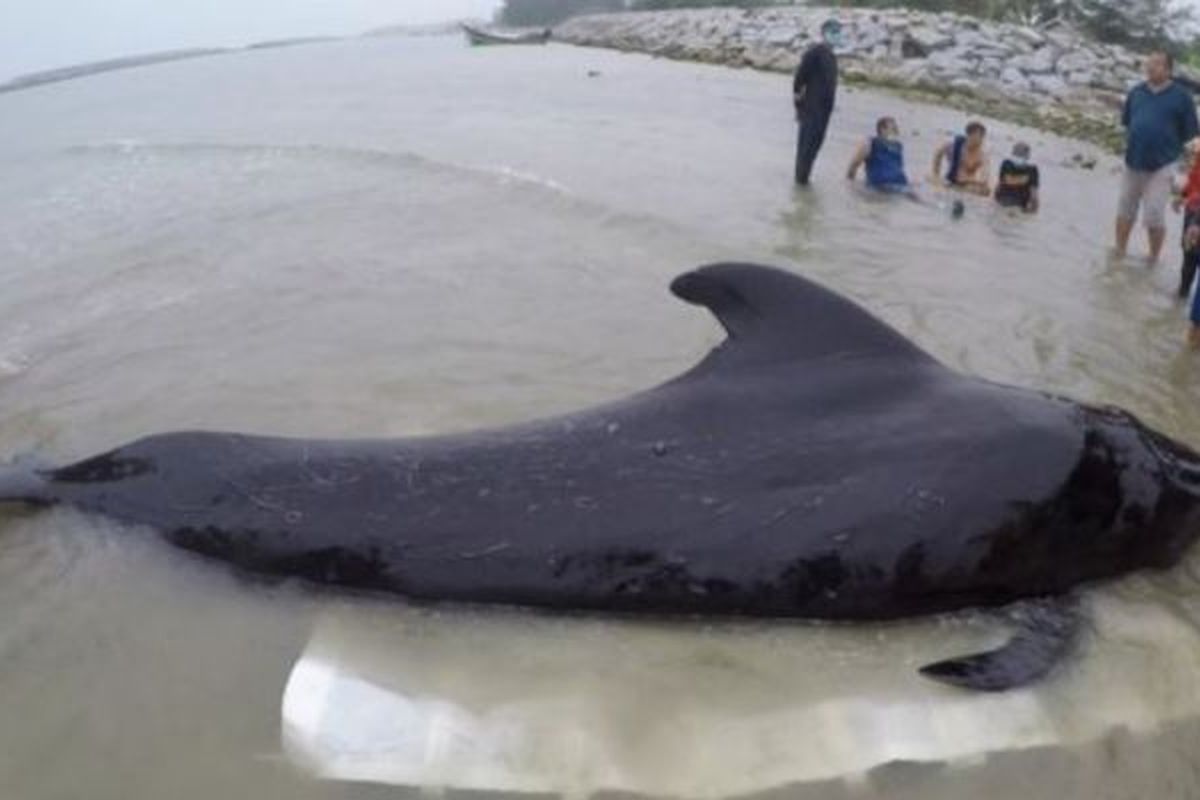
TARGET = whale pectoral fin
x,y
1047,631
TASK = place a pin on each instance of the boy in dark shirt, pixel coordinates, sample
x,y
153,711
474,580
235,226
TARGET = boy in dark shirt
x,y
1017,186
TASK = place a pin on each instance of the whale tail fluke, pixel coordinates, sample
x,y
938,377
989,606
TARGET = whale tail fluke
x,y
1047,631
24,485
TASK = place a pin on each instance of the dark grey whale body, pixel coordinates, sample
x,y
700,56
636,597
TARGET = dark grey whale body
x,y
816,464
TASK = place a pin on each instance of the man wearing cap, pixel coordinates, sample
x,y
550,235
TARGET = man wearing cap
x,y
813,89
1017,186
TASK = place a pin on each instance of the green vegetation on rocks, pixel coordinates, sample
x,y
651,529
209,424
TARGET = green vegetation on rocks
x,y
522,13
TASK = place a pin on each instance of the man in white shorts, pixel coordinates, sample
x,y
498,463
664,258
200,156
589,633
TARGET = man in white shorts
x,y
1159,117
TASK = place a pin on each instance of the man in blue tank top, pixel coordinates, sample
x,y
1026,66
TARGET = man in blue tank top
x,y
1159,118
883,157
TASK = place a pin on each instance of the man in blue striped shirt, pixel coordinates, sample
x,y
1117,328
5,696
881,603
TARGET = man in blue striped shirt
x,y
1159,118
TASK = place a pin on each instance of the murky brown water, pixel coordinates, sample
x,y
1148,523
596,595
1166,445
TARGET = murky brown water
x,y
389,237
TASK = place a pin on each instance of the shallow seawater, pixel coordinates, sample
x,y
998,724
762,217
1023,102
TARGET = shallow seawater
x,y
388,237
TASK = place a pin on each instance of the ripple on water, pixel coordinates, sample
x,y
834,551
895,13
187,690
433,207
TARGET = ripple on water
x,y
41,557
13,364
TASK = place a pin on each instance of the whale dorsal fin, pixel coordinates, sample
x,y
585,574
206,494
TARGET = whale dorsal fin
x,y
774,316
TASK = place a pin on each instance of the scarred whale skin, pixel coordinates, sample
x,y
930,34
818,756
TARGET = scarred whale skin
x,y
816,464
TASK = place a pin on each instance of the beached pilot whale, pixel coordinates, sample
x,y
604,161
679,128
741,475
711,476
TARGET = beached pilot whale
x,y
816,464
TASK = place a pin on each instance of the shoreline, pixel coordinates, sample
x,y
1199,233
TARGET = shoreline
x,y
1051,80
85,69
1056,81
33,80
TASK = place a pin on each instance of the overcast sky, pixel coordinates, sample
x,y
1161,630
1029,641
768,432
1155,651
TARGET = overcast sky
x,y
40,34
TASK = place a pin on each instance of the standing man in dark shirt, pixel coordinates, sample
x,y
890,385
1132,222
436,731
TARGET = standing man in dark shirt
x,y
1159,117
813,89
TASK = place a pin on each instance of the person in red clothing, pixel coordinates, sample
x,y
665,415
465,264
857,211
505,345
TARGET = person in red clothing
x,y
1189,202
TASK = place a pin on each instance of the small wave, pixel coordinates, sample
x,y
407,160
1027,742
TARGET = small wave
x,y
528,177
13,363
545,194
316,152
128,145
40,551
168,300
303,152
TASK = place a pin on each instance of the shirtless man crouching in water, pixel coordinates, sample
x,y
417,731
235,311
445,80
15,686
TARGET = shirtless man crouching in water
x,y
968,168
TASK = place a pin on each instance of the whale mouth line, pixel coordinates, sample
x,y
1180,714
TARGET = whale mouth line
x,y
1180,464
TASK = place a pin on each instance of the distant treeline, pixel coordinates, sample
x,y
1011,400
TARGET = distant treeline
x,y
647,5
551,12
